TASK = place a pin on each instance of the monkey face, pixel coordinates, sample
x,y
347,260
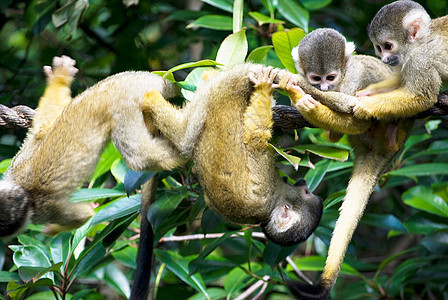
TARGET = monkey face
x,y
295,218
388,51
324,82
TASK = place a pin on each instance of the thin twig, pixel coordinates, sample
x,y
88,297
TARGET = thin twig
x,y
262,282
298,272
200,236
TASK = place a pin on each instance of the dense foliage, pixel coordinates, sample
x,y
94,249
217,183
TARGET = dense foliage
x,y
400,249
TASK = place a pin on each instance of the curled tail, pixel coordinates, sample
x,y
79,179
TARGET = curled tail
x,y
16,208
367,170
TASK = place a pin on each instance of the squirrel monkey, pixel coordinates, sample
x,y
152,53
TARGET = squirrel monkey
x,y
66,140
406,38
226,130
325,58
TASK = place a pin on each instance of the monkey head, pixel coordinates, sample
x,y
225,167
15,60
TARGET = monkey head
x,y
16,208
322,56
396,29
295,217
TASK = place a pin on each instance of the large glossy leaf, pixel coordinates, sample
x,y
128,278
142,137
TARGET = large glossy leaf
x,y
293,160
164,206
389,222
4,165
88,195
116,279
423,198
109,156
133,180
262,19
258,54
423,223
315,4
437,241
213,293
118,208
316,263
273,254
179,266
294,13
226,5
324,151
238,10
421,170
237,279
233,49
201,63
315,176
215,22
284,42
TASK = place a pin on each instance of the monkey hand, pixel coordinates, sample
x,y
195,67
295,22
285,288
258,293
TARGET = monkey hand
x,y
362,109
63,70
289,84
307,104
264,79
365,92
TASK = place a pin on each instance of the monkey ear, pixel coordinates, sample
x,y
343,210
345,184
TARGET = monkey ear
x,y
295,58
417,24
349,48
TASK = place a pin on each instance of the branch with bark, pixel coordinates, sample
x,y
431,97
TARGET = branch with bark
x,y
285,117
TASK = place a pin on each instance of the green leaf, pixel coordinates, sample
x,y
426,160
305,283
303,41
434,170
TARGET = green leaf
x,y
118,170
262,19
294,13
324,151
70,14
421,170
334,199
388,222
284,42
30,256
423,198
316,263
259,54
4,165
423,223
237,279
210,220
315,4
179,266
127,256
315,176
233,49
115,278
89,259
269,6
88,195
201,63
108,157
273,254
60,247
117,209
437,241
215,22
226,5
6,276
134,179
194,78
165,205
293,160
238,10
213,293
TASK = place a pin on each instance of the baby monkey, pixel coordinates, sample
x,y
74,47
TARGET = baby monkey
x,y
226,129
375,143
66,140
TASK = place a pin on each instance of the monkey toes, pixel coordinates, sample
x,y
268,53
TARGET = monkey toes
x,y
63,68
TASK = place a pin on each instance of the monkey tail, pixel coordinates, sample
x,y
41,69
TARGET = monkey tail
x,y
16,208
367,170
140,287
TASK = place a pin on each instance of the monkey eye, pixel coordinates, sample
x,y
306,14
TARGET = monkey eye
x,y
388,46
331,77
316,78
378,48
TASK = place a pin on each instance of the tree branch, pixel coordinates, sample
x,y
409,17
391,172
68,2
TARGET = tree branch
x,y
285,117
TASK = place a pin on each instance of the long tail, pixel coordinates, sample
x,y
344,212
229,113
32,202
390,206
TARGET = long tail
x,y
366,173
140,287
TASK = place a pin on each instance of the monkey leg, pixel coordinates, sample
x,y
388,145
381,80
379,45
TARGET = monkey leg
x,y
56,95
392,105
139,144
258,115
367,170
67,216
322,116
380,87
171,121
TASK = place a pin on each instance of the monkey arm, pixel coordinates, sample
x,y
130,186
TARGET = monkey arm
x,y
56,95
380,87
392,105
322,116
258,116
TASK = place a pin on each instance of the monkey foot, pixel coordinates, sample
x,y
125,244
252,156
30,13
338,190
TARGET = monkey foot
x,y
63,69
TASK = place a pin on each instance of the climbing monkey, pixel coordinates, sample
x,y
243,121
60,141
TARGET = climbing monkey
x,y
226,132
66,140
375,143
406,38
